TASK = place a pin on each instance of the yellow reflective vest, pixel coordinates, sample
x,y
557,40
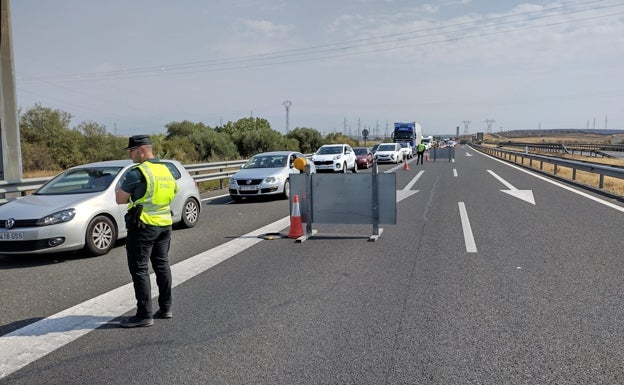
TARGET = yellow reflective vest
x,y
160,191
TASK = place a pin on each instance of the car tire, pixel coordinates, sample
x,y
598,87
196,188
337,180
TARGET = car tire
x,y
101,236
286,193
190,213
344,168
355,168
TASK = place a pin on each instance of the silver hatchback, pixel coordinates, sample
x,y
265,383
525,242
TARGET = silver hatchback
x,y
76,210
266,174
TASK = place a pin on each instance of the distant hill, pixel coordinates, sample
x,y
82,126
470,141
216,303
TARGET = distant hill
x,y
559,131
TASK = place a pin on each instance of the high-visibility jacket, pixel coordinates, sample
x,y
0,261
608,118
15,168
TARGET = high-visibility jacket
x,y
160,191
421,147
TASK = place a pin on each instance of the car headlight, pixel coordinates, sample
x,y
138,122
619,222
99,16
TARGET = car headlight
x,y
337,157
271,179
58,217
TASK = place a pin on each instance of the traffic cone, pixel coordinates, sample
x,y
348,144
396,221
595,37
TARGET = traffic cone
x,y
296,228
405,165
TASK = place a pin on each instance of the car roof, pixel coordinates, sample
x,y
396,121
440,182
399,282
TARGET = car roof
x,y
107,163
117,163
278,153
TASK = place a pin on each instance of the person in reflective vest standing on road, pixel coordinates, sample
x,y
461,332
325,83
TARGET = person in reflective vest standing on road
x,y
148,188
420,151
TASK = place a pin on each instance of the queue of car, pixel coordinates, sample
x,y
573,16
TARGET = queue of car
x,y
77,210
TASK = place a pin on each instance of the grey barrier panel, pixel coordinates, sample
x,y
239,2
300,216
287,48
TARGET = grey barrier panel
x,y
344,198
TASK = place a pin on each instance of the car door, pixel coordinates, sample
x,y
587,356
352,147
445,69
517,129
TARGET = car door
x,y
350,155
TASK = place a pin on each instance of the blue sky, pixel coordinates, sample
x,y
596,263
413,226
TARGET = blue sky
x,y
345,65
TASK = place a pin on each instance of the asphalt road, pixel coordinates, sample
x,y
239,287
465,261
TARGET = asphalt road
x,y
473,285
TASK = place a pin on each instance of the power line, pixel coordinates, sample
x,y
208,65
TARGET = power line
x,y
340,49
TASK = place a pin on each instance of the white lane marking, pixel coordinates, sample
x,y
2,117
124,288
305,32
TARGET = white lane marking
x,y
525,195
413,181
23,346
471,246
563,186
455,172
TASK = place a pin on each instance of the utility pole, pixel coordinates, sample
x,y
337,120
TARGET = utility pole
x,y
466,123
10,150
287,104
489,123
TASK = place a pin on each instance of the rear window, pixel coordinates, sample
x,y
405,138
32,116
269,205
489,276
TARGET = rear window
x,y
386,147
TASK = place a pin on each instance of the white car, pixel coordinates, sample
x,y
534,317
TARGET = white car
x,y
407,149
336,158
389,152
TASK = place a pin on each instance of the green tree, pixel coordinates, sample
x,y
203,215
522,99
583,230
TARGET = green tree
x,y
97,144
213,146
181,149
252,135
308,139
340,138
45,135
184,129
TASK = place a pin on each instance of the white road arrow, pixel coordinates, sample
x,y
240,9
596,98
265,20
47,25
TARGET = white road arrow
x,y
525,195
406,192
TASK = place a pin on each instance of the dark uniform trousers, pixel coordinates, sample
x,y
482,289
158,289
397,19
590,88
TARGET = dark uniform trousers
x,y
149,243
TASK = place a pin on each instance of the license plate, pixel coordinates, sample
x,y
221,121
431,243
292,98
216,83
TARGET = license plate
x,y
248,188
16,236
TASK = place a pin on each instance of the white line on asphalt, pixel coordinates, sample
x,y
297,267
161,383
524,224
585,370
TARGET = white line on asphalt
x,y
413,181
23,346
471,246
581,193
455,172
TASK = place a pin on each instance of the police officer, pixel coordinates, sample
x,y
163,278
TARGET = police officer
x,y
420,151
148,188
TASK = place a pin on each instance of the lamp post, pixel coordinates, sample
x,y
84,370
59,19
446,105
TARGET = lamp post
x,y
287,104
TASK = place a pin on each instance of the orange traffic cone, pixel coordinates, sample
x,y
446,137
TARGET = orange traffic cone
x,y
405,165
296,228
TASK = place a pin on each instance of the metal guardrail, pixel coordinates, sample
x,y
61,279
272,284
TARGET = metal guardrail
x,y
221,171
519,157
593,149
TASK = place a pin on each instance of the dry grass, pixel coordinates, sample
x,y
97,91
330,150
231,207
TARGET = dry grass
x,y
610,184
39,173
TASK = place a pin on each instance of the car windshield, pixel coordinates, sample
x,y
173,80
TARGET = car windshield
x,y
266,161
80,181
404,145
330,150
386,147
360,151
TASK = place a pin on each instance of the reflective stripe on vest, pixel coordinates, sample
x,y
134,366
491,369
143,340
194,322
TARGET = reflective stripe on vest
x,y
160,191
